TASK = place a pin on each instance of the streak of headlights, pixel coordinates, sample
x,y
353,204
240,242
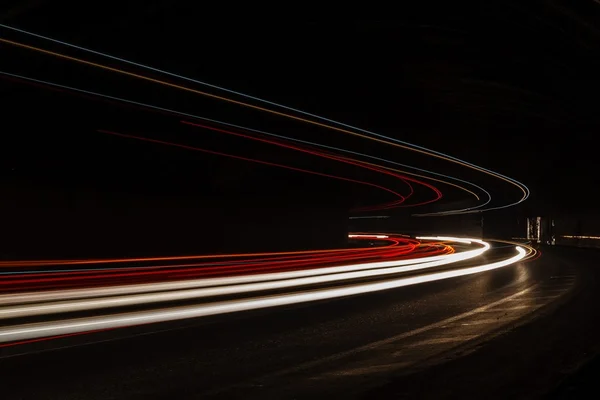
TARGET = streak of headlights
x,y
219,284
55,328
149,298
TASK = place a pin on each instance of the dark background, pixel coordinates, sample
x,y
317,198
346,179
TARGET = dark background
x,y
506,85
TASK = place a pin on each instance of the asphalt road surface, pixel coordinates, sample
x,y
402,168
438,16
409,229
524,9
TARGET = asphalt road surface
x,y
512,332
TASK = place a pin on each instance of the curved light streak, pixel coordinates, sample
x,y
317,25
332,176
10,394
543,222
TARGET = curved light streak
x,y
55,328
69,294
366,156
370,166
35,263
146,288
182,146
277,136
256,284
54,280
377,137
282,255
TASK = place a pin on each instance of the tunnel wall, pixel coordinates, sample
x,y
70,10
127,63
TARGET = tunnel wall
x,y
576,230
579,230
504,225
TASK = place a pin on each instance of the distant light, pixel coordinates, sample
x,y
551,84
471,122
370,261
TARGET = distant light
x,y
369,236
581,237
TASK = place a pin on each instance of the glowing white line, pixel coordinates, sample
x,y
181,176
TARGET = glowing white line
x,y
25,311
54,328
449,239
369,236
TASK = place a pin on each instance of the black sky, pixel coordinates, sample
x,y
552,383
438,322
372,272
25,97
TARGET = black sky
x,y
505,85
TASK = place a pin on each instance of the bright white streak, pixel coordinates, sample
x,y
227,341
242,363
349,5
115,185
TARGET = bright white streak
x,y
369,236
54,328
129,300
57,295
449,239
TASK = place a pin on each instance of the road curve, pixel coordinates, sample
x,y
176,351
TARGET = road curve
x,y
342,346
294,287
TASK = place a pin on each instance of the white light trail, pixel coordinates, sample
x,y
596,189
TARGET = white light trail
x,y
79,325
369,236
107,302
227,285
450,239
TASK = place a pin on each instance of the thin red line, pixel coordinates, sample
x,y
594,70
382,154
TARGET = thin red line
x,y
250,160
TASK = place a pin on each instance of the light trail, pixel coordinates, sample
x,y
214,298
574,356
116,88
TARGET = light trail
x,y
334,254
58,295
363,164
174,112
70,326
532,252
323,155
377,137
367,163
368,236
401,251
182,146
61,279
31,263
367,270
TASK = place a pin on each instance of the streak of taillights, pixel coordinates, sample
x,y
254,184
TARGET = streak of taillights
x,y
54,328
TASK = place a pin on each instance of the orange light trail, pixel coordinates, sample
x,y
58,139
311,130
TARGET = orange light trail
x,y
399,249
36,263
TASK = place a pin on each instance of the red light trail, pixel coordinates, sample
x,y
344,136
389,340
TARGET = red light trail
x,y
182,146
343,271
398,248
346,160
